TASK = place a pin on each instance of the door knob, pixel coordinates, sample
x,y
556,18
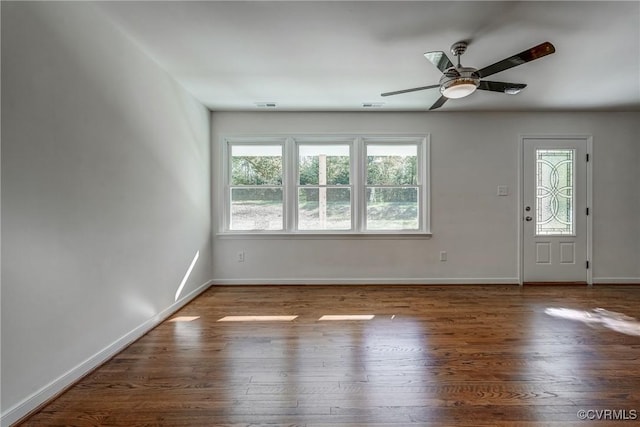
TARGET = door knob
x,y
528,218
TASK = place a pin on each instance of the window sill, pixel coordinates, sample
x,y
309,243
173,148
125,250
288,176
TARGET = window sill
x,y
324,236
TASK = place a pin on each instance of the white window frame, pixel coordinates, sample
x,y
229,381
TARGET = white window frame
x,y
226,170
290,184
320,141
422,180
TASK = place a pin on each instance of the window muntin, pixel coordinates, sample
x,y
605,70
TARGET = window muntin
x,y
382,191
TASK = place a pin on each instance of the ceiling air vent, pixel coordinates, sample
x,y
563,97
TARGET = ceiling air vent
x,y
372,104
266,104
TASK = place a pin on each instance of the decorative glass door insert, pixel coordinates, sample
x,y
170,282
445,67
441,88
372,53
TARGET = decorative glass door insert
x,y
555,192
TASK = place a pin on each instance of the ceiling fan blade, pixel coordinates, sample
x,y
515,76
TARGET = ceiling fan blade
x,y
509,88
398,92
439,102
439,59
535,52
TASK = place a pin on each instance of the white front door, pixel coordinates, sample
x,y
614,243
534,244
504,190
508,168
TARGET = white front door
x,y
554,210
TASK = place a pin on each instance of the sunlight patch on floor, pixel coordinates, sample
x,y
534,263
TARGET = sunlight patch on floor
x,y
618,322
347,317
184,318
257,319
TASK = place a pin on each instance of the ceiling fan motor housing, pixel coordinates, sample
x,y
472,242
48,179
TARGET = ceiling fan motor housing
x,y
459,48
463,77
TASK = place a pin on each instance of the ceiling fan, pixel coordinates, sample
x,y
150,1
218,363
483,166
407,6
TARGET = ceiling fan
x,y
458,81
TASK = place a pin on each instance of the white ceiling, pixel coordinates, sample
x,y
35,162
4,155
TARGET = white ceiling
x,y
335,56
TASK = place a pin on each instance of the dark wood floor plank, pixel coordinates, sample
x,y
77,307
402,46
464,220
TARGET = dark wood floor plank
x,y
430,356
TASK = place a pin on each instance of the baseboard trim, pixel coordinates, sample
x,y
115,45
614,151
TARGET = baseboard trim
x,y
372,281
554,284
37,400
616,280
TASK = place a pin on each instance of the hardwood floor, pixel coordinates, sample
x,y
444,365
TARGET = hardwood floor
x,y
431,356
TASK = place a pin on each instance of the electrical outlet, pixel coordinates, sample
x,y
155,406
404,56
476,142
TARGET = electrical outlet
x,y
503,190
443,256
241,256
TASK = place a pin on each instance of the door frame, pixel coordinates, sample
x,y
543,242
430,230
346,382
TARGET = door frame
x,y
520,217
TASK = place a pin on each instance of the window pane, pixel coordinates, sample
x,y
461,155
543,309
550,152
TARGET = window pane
x,y
256,209
554,191
256,165
392,164
324,164
392,208
324,208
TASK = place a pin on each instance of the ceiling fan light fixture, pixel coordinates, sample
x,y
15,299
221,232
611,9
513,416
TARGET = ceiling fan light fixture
x,y
458,88
459,82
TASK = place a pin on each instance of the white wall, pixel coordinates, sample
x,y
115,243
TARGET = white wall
x,y
105,195
471,154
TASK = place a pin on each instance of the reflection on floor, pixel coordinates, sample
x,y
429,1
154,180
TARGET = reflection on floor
x,y
599,317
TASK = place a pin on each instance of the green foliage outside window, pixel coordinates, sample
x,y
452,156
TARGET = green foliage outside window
x,y
337,170
256,170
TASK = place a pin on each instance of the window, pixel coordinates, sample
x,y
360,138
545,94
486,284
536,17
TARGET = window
x,y
392,190
554,192
326,185
256,188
